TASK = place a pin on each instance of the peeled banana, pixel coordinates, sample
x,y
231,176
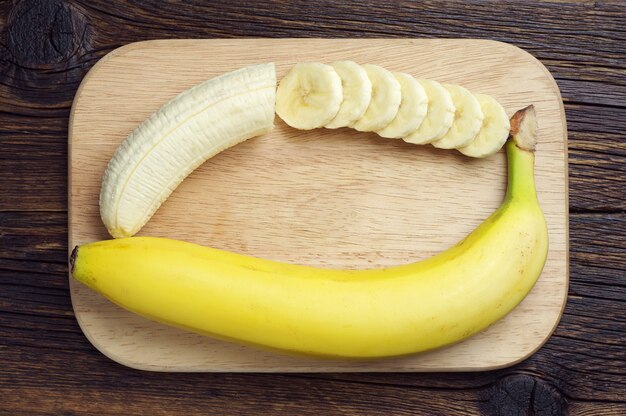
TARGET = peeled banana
x,y
358,314
170,144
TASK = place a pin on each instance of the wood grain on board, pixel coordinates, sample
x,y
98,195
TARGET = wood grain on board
x,y
330,198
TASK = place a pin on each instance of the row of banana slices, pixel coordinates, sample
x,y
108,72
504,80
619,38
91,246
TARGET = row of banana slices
x,y
394,105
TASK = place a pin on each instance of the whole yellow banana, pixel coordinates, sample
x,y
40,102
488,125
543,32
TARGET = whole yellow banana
x,y
367,313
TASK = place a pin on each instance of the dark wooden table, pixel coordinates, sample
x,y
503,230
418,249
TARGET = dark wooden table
x,y
47,366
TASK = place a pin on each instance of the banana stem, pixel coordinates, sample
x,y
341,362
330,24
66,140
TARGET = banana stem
x,y
521,178
520,150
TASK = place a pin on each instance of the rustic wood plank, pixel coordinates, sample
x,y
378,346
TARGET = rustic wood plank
x,y
582,43
113,390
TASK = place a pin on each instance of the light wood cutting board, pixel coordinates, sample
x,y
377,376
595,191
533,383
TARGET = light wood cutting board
x,y
331,198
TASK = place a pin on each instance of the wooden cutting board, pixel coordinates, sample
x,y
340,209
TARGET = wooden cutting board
x,y
331,198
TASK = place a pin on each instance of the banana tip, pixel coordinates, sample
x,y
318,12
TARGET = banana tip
x,y
73,259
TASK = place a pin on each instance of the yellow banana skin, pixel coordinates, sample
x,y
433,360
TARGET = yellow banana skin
x,y
335,313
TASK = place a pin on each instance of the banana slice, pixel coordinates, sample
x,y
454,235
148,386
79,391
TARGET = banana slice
x,y
309,96
179,137
412,110
468,118
386,97
357,93
439,115
494,131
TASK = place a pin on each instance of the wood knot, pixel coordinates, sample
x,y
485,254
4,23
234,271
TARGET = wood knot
x,y
521,394
44,32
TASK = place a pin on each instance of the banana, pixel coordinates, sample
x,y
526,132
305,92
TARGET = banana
x,y
309,96
386,97
170,144
468,118
412,110
337,313
357,93
493,132
439,115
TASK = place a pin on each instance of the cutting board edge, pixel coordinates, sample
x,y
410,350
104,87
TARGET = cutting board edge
x,y
160,368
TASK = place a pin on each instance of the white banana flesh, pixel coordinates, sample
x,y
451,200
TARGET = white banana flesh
x,y
386,97
439,115
468,118
357,93
309,96
494,130
170,144
412,110
394,105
